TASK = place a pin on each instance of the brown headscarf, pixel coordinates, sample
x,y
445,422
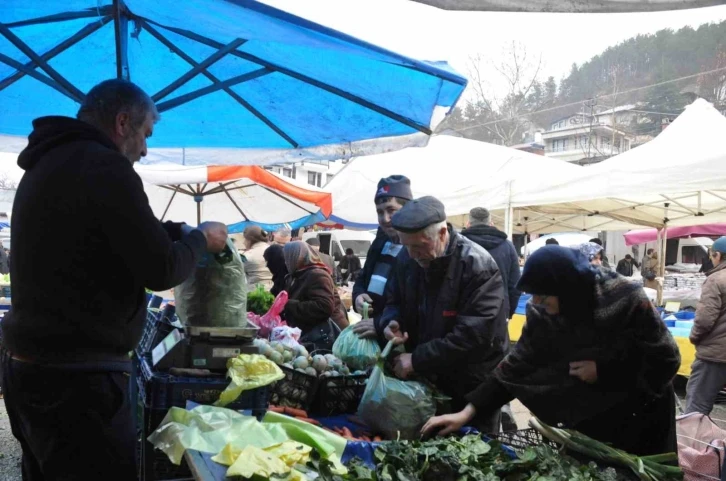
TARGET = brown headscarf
x,y
299,255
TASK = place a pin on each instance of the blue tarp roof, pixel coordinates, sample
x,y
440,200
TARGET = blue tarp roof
x,y
226,75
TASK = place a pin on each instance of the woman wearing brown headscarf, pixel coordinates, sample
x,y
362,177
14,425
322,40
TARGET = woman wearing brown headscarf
x,y
312,296
255,245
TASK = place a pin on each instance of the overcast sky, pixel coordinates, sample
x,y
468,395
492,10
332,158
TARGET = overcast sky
x,y
427,33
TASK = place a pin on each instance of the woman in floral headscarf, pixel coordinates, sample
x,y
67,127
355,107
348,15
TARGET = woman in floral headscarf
x,y
593,252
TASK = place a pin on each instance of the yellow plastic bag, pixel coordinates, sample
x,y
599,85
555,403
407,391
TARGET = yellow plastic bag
x,y
253,460
248,371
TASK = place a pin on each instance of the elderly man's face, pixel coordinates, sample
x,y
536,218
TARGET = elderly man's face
x,y
423,249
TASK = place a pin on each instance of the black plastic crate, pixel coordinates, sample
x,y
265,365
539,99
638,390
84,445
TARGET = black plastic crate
x,y
339,395
155,330
162,391
522,438
154,465
297,390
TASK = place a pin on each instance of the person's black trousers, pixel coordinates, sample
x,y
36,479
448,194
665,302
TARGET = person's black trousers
x,y
71,424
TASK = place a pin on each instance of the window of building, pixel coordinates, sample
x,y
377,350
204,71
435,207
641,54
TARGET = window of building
x,y
287,172
315,178
328,177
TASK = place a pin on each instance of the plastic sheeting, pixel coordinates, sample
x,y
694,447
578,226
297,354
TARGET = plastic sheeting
x,y
569,6
237,82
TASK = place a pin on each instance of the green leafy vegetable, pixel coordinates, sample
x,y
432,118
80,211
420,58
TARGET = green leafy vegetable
x,y
468,458
259,300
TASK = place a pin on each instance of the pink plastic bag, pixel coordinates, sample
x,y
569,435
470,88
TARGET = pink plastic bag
x,y
271,319
700,447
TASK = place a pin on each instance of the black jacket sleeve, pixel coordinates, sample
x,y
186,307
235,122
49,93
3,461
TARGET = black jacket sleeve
x,y
134,232
514,275
361,281
478,321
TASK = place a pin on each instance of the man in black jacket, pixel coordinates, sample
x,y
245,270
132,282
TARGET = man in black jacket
x,y
481,231
370,286
76,317
446,305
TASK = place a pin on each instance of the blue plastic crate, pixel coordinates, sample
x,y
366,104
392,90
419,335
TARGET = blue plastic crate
x,y
159,390
155,330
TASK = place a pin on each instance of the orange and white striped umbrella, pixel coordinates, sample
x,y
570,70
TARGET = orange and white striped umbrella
x,y
235,195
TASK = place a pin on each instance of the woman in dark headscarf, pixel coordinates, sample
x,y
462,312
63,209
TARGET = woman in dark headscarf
x,y
594,356
276,263
312,295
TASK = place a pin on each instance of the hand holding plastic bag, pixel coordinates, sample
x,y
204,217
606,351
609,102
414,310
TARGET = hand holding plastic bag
x,y
215,295
396,408
358,353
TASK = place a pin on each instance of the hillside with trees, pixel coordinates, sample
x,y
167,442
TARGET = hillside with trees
x,y
638,71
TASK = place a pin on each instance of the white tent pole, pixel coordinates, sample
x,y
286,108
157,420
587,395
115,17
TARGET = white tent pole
x,y
509,213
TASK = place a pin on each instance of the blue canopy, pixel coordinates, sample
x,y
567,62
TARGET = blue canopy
x,y
236,81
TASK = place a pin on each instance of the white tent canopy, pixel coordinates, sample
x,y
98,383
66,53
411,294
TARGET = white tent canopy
x,y
461,173
679,178
572,6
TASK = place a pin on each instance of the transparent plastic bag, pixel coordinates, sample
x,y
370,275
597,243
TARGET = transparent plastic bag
x,y
398,409
359,354
215,295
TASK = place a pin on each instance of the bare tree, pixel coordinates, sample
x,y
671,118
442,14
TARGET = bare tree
x,y
502,101
6,183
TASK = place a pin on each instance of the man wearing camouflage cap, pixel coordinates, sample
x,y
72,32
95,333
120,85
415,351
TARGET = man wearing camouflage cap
x,y
447,305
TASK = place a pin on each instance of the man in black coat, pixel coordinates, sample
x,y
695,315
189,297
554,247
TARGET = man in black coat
x,y
481,231
446,305
76,317
392,194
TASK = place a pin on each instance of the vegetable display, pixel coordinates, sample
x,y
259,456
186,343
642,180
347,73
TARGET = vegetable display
x,y
468,458
259,300
298,358
647,468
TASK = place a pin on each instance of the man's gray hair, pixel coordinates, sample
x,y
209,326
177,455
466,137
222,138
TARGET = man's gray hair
x,y
479,215
433,230
106,100
284,232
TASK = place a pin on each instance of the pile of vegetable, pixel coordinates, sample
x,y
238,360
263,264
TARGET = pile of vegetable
x,y
298,358
647,468
468,458
259,300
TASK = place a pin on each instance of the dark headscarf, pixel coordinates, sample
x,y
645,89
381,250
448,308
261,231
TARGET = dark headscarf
x,y
276,263
563,272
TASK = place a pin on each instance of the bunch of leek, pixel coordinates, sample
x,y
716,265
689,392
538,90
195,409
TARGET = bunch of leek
x,y
647,468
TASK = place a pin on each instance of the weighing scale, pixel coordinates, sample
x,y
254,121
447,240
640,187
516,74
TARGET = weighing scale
x,y
204,347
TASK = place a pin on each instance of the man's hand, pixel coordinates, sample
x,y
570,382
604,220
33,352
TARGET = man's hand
x,y
448,423
360,300
365,329
402,366
216,234
585,371
392,332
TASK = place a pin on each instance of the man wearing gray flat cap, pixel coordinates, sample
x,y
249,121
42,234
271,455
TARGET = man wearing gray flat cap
x,y
446,305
